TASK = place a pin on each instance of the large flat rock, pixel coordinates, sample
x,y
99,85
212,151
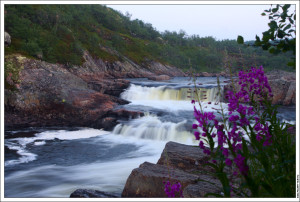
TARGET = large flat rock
x,y
147,180
184,157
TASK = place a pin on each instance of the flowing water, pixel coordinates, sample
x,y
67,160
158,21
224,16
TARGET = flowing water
x,y
53,162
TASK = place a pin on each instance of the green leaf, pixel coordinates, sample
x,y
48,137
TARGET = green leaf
x,y
240,40
268,188
285,7
291,21
287,27
274,10
273,24
280,34
266,46
270,17
291,30
263,14
257,38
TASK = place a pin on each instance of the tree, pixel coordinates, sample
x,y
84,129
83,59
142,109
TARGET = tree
x,y
281,35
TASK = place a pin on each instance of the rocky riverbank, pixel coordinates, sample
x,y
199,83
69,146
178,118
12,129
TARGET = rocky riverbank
x,y
41,94
283,85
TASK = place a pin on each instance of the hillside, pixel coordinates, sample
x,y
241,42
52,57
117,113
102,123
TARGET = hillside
x,y
63,33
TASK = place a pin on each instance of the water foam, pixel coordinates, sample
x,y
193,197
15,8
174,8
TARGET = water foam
x,y
20,144
163,93
150,127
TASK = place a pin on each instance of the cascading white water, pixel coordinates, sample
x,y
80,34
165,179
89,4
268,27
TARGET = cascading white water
x,y
135,92
54,163
165,98
150,127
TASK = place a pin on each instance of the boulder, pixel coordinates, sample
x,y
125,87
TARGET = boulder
x,y
89,193
202,188
147,180
125,114
206,74
290,98
160,78
7,39
279,89
184,157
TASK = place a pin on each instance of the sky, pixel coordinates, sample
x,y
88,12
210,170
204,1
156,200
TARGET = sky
x,y
219,21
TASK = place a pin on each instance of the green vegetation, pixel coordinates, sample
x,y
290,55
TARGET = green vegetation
x,y
61,33
12,66
281,35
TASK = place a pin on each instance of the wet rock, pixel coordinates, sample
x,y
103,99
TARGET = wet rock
x,y
7,39
147,180
89,193
206,74
127,114
108,123
160,78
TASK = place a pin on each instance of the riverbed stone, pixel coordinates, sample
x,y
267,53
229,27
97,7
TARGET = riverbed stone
x,y
184,157
147,180
90,193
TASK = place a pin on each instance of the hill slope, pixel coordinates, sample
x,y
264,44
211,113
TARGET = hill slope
x,y
63,33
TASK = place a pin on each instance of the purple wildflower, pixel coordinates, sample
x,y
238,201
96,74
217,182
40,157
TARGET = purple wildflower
x,y
171,190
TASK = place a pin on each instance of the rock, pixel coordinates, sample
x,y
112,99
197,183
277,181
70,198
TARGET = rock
x,y
110,119
55,95
147,180
7,39
202,188
50,95
127,114
206,74
290,97
160,78
283,86
89,193
279,89
184,157
161,69
108,123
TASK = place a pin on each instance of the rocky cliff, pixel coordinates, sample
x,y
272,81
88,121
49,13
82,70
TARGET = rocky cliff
x,y
38,93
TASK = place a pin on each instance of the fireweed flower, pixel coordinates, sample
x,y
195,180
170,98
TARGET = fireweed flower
x,y
171,190
253,85
197,135
240,163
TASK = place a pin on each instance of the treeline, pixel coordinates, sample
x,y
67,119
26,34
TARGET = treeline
x,y
60,34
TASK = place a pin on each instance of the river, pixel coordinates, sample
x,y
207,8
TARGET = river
x,y
54,162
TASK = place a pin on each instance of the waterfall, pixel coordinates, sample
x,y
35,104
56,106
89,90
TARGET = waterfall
x,y
150,127
136,92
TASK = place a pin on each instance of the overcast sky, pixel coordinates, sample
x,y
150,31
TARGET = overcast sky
x,y
219,21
